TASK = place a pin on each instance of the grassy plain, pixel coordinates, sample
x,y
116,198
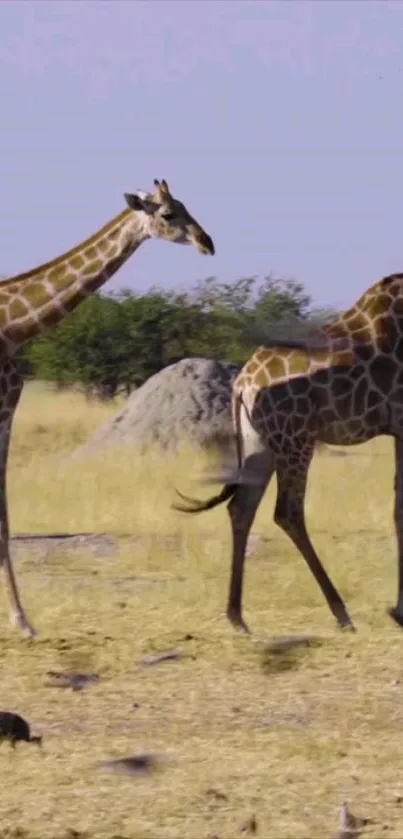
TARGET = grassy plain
x,y
282,737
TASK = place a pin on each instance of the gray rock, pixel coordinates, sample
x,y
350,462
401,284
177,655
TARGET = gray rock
x,y
189,401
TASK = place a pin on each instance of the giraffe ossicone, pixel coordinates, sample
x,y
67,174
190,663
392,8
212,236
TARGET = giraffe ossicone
x,y
288,398
40,298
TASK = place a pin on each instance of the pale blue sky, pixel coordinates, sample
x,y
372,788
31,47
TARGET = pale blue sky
x,y
280,124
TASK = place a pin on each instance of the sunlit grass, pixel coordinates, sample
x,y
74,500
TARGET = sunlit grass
x,y
287,743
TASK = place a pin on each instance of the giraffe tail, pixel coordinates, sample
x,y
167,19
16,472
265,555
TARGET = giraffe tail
x,y
231,478
194,505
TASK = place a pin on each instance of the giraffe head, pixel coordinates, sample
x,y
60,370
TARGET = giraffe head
x,y
165,217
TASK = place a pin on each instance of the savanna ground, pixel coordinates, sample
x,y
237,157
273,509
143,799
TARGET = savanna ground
x,y
284,737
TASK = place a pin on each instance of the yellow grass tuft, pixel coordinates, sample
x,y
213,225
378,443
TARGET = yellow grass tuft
x,y
284,735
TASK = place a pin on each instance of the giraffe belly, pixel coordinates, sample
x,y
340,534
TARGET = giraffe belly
x,y
339,405
345,433
347,421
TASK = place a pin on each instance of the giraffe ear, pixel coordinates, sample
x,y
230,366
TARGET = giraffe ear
x,y
140,201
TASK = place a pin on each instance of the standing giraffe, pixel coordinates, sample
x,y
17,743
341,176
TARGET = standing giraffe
x,y
290,396
38,299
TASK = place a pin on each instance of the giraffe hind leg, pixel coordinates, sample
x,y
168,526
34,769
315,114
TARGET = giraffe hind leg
x,y
397,612
242,511
292,472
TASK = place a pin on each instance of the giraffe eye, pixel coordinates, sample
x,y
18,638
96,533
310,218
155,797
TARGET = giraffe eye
x,y
168,216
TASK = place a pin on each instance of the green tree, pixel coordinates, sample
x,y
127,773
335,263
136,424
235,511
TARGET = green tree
x,y
119,340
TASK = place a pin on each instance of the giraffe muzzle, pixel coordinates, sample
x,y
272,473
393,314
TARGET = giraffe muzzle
x,y
204,243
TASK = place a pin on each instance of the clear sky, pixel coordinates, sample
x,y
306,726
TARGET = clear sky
x,y
280,124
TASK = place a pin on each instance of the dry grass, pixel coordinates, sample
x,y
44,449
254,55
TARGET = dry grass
x,y
283,736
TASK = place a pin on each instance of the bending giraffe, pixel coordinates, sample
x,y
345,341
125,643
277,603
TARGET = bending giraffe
x,y
38,299
290,396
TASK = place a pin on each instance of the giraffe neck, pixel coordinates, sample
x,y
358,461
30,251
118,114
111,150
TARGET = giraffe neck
x,y
38,299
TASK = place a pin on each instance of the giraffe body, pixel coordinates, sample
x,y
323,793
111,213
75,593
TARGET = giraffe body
x,y
326,401
38,299
289,397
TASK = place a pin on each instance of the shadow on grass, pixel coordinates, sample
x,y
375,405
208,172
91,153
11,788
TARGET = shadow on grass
x,y
286,653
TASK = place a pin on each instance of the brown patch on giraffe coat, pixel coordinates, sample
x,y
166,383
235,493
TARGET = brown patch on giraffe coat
x,y
20,331
271,361
327,416
354,321
274,369
302,405
359,397
397,395
77,261
381,304
36,292
55,274
363,335
303,384
50,317
375,399
91,253
391,334
296,423
299,362
5,298
285,405
105,246
15,379
382,371
252,366
399,349
355,426
93,268
18,309
398,302
373,417
343,403
72,302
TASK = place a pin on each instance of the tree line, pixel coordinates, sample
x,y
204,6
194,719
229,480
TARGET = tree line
x,y
114,342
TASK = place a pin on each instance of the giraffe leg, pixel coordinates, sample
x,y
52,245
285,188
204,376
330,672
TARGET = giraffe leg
x,y
18,616
397,612
292,472
242,510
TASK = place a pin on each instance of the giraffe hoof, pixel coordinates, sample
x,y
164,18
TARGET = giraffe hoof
x,y
348,627
238,623
21,623
396,615
29,631
343,618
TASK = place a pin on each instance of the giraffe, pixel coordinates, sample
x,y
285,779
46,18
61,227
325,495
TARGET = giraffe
x,y
40,298
292,395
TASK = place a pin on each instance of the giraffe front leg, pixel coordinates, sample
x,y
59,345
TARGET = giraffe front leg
x,y
18,616
397,612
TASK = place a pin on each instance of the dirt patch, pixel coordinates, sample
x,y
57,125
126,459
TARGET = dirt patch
x,y
42,544
101,544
